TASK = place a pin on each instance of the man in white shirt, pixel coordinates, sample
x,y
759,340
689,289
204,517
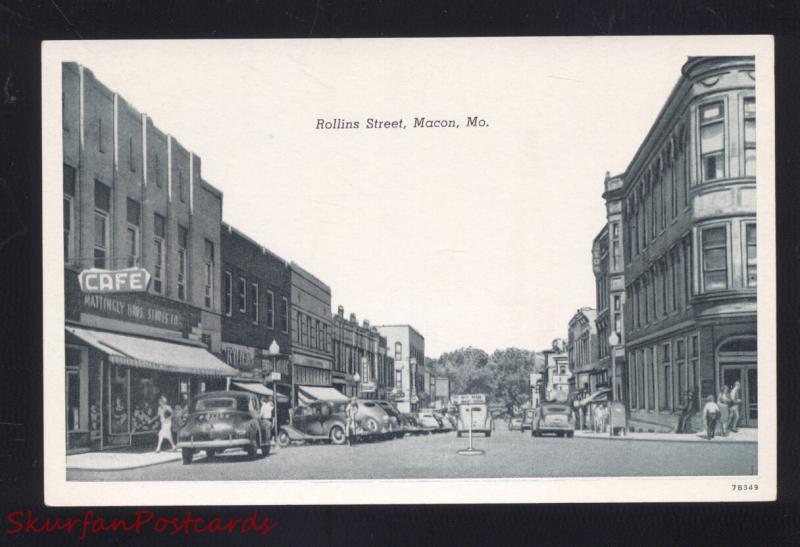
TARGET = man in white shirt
x,y
736,403
711,415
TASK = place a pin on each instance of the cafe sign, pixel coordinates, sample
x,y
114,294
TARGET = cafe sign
x,y
95,280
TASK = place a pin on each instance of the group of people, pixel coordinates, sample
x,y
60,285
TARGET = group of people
x,y
724,411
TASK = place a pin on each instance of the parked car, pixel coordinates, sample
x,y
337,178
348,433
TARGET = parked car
x,y
553,418
410,424
219,420
428,421
515,423
326,421
396,429
446,425
527,420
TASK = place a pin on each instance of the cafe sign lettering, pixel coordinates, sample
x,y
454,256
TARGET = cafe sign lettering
x,y
95,280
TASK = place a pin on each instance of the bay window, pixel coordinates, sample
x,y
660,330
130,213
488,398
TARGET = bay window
x,y
715,258
750,254
750,137
712,141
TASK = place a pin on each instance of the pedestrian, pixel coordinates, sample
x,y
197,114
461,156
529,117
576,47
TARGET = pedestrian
x,y
165,417
266,413
724,402
686,412
711,415
350,413
735,404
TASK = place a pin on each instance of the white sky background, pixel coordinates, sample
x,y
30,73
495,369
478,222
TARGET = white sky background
x,y
474,236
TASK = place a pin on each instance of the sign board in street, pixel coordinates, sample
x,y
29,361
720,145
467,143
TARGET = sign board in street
x,y
95,280
469,399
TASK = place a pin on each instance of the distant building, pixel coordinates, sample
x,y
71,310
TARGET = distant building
x,y
689,237
360,349
582,352
407,347
557,383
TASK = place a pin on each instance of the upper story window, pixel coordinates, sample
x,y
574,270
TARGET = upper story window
x,y
284,314
715,258
750,137
254,305
102,209
181,191
228,294
159,233
69,212
750,251
183,241
712,141
100,135
242,295
157,169
133,215
131,162
398,351
270,310
208,274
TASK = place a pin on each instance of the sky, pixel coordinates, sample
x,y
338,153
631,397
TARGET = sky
x,y
475,236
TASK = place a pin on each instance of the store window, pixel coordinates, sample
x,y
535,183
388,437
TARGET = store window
x,y
119,422
159,237
284,314
750,137
712,141
254,302
228,294
750,244
102,209
270,310
715,258
183,237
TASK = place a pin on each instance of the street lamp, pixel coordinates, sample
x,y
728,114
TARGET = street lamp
x,y
613,341
412,376
356,379
275,377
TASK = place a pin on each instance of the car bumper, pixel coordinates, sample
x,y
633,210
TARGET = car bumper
x,y
556,428
217,443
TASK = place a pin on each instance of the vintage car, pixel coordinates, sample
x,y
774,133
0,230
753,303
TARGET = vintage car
x,y
219,420
428,421
444,420
553,418
394,419
527,420
515,423
475,417
326,421
410,424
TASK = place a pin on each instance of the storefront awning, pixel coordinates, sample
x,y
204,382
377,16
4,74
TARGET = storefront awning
x,y
135,351
259,389
309,394
599,396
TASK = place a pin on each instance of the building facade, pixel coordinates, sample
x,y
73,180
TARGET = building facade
x,y
406,346
134,197
689,225
583,351
311,331
256,293
360,349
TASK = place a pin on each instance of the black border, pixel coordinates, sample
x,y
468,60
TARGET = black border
x,y
24,24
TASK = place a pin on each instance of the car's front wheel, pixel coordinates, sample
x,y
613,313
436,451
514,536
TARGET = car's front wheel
x,y
252,449
186,455
283,439
337,435
211,452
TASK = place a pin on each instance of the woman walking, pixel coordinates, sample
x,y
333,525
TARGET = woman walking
x,y
351,411
724,401
165,416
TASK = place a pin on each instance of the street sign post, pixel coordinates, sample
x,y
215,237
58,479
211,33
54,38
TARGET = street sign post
x,y
469,400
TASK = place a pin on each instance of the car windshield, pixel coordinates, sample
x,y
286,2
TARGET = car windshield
x,y
213,403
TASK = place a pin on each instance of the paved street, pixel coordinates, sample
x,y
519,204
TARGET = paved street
x,y
508,454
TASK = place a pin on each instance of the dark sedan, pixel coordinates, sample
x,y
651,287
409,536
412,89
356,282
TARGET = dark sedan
x,y
219,420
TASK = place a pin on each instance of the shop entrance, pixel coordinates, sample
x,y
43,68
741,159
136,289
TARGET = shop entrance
x,y
738,363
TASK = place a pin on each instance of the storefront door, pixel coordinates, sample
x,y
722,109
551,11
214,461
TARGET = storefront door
x,y
747,376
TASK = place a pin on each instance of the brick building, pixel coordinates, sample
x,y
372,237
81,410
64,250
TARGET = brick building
x,y
689,227
583,351
134,197
407,347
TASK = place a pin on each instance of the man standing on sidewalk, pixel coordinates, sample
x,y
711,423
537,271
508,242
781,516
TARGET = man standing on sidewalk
x,y
736,403
711,414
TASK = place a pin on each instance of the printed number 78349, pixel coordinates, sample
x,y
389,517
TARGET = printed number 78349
x,y
743,487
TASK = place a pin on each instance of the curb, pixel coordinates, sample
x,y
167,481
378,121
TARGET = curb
x,y
129,468
699,440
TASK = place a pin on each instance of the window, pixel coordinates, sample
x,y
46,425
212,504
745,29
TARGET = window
x,y
181,192
132,233
208,274
712,141
228,294
688,273
284,314
318,331
750,244
270,310
159,233
131,163
618,325
102,207
306,324
69,212
662,272
183,237
254,304
242,295
157,169
715,259
100,135
325,341
673,181
750,137
673,263
398,351
617,304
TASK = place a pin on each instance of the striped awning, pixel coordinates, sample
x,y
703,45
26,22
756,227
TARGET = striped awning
x,y
149,353
308,394
259,389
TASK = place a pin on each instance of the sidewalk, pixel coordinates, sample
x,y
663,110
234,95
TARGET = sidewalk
x,y
117,460
744,435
